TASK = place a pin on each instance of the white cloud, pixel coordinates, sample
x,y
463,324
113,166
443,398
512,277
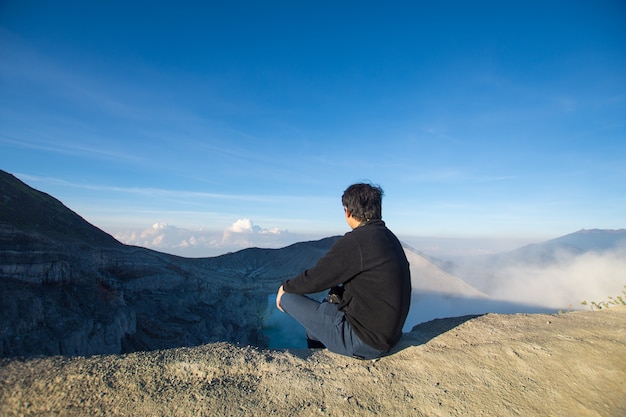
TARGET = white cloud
x,y
246,226
203,242
171,239
242,226
245,233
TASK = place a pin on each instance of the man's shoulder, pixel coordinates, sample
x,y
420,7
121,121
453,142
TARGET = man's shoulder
x,y
369,234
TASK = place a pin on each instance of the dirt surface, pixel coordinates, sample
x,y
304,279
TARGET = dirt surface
x,y
572,364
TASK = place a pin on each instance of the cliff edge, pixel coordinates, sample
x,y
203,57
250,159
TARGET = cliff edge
x,y
570,364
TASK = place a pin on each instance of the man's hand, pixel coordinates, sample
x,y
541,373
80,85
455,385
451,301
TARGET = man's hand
x,y
279,295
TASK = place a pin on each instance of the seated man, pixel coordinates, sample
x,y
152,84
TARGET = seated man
x,y
369,267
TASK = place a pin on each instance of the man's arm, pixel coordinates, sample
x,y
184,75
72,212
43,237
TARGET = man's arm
x,y
279,295
340,263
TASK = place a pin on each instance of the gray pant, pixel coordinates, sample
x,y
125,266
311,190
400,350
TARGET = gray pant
x,y
325,323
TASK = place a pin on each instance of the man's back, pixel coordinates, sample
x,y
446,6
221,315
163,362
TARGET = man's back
x,y
377,299
370,262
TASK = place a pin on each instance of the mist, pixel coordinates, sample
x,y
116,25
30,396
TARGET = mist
x,y
564,285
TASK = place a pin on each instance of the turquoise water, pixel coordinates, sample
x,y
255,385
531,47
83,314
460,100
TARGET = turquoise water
x,y
282,331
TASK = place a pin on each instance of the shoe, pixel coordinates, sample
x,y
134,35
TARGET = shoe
x,y
314,344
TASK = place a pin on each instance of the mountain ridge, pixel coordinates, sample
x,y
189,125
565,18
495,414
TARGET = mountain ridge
x,y
577,243
33,212
489,271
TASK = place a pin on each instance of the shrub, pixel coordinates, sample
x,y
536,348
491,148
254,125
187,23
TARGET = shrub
x,y
612,301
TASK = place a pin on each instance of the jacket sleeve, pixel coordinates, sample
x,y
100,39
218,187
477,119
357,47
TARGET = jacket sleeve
x,y
341,263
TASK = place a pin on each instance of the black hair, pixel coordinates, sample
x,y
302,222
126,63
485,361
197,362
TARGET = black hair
x,y
363,201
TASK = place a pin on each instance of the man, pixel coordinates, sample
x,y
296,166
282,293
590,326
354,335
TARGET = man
x,y
369,265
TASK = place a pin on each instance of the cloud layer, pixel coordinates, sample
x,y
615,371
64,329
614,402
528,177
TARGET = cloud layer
x,y
243,233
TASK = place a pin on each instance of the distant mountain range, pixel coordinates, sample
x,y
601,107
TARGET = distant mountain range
x,y
594,240
67,287
484,272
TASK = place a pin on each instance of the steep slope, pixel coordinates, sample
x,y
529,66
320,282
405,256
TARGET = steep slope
x,y
429,278
38,215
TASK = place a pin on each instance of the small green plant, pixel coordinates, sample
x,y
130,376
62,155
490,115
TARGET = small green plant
x,y
612,301
569,308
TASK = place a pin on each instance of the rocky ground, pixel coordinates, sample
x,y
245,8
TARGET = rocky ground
x,y
571,364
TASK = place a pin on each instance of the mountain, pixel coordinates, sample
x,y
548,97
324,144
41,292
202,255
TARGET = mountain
x,y
429,278
40,218
592,240
589,261
67,287
573,244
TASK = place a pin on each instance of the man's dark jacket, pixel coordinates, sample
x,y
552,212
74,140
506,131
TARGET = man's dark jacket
x,y
370,262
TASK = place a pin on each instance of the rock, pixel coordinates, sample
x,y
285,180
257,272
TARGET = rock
x,y
504,365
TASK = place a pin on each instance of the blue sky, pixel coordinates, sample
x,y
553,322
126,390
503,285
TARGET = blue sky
x,y
498,119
